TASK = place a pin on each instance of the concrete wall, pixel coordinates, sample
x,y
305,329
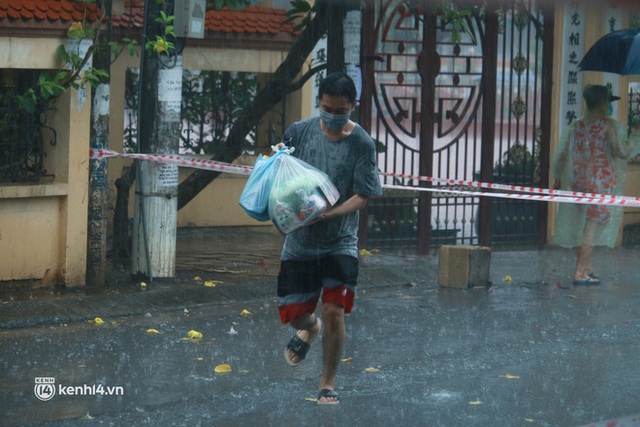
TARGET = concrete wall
x,y
43,227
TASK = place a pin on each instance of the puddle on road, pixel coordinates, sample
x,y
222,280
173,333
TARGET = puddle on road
x,y
253,251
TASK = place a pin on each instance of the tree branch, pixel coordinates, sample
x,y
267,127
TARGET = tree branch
x,y
280,85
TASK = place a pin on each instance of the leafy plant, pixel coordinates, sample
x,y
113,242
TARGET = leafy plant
x,y
519,164
302,12
161,44
451,15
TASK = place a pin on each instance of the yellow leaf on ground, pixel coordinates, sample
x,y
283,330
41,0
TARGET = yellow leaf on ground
x,y
507,279
194,335
98,321
152,331
475,402
311,399
375,251
198,279
211,283
372,370
348,360
510,376
364,252
143,285
222,369
245,312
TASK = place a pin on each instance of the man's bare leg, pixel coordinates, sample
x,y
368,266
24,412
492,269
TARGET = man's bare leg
x,y
332,345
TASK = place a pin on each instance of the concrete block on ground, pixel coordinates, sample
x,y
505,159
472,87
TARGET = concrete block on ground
x,y
464,266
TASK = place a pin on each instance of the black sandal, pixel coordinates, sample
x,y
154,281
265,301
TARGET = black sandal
x,y
298,347
327,393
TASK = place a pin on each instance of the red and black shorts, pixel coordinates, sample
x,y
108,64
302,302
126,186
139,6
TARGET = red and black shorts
x,y
301,283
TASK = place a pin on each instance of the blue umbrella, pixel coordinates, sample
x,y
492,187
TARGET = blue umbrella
x,y
617,52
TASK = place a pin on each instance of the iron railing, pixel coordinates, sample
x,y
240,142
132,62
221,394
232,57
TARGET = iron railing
x,y
22,131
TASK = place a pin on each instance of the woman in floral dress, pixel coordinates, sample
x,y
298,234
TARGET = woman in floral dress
x,y
592,158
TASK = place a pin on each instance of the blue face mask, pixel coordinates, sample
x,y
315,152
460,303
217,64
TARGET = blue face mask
x,y
333,121
610,109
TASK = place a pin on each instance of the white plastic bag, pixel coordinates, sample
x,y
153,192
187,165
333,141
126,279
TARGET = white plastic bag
x,y
299,194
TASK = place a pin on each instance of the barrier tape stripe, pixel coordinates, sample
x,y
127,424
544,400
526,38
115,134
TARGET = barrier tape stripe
x,y
176,160
532,197
508,187
537,194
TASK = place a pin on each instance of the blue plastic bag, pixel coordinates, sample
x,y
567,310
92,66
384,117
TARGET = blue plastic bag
x,y
255,195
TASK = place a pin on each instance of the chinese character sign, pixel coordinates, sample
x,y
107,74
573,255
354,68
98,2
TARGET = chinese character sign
x,y
573,50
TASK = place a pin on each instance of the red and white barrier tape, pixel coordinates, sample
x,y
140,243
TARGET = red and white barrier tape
x,y
509,188
176,160
536,194
598,200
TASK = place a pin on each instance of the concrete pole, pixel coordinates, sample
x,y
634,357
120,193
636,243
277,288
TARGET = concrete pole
x,y
98,177
156,207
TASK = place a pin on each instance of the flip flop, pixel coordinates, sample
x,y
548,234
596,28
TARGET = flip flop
x,y
298,347
327,393
588,281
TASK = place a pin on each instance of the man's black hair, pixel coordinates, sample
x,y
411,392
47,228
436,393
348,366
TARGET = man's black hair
x,y
338,84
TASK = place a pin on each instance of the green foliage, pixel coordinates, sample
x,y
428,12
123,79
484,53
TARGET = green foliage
x,y
518,164
161,44
301,12
452,15
212,101
230,4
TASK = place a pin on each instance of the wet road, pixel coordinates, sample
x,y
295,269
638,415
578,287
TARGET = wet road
x,y
531,352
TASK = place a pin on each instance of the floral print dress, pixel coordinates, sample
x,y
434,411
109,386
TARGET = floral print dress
x,y
587,161
593,165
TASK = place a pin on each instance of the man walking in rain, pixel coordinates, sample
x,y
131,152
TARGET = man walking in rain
x,y
320,262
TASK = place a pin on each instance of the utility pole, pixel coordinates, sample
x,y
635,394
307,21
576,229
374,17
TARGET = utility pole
x,y
155,219
98,177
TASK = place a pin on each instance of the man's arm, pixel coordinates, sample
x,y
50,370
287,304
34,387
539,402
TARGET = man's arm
x,y
353,204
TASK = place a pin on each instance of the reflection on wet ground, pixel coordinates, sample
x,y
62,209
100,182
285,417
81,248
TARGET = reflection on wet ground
x,y
251,251
533,350
229,254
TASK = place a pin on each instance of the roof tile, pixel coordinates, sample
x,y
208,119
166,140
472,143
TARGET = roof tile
x,y
54,5
65,16
27,4
66,6
41,5
58,14
225,20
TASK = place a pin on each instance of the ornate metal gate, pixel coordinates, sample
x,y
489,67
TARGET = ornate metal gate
x,y
466,109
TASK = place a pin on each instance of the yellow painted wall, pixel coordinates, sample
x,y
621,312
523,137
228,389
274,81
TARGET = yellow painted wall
x,y
43,227
28,237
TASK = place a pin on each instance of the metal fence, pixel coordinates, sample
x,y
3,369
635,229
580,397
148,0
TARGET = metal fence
x,y
23,131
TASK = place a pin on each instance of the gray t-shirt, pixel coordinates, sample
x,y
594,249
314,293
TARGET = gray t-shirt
x,y
351,165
